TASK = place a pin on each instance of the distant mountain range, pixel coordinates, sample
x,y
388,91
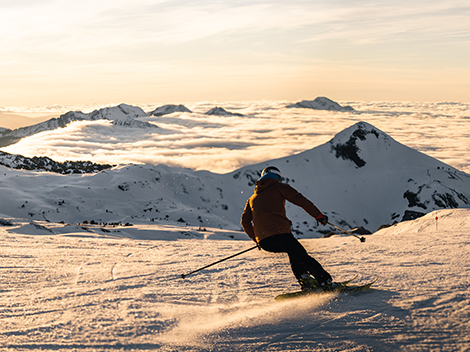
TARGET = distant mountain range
x,y
121,115
362,177
46,164
132,116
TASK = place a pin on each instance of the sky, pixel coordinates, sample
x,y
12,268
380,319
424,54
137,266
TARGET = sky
x,y
141,51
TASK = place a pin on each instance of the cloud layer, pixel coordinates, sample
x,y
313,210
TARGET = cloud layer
x,y
266,131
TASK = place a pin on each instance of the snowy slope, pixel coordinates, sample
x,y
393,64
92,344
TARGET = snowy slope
x,y
362,177
72,289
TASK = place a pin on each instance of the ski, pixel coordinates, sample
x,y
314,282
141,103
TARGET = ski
x,y
344,288
344,283
315,290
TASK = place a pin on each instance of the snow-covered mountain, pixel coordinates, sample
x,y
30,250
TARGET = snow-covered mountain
x,y
169,109
362,177
121,115
218,111
47,164
320,103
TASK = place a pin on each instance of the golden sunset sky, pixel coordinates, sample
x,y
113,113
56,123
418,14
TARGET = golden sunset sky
x,y
139,51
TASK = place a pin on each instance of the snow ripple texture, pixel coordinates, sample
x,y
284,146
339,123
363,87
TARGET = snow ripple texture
x,y
76,288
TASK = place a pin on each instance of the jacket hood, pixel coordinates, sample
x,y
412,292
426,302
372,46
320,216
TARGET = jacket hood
x,y
263,184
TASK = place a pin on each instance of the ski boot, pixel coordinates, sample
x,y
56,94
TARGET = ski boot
x,y
329,285
307,283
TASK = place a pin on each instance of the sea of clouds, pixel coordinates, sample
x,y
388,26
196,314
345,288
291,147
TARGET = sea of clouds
x,y
267,130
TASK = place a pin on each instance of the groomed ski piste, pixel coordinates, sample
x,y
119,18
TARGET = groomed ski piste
x,y
72,288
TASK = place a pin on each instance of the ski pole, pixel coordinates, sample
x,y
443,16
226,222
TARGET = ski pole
x,y
362,239
220,261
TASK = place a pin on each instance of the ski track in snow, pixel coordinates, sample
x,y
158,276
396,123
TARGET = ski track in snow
x,y
93,292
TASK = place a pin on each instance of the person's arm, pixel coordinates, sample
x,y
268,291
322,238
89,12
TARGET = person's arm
x,y
247,222
295,197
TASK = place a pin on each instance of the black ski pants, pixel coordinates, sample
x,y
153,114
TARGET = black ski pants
x,y
301,262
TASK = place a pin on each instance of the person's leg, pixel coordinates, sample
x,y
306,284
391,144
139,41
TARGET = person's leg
x,y
301,262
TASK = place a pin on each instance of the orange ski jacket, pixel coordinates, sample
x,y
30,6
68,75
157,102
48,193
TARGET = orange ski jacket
x,y
265,212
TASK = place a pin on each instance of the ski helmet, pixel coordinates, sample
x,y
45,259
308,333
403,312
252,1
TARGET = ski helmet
x,y
271,170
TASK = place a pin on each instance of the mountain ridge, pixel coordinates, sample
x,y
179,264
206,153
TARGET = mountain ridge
x,y
391,184
121,115
126,115
39,164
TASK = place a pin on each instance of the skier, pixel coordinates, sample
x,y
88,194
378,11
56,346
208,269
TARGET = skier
x,y
264,221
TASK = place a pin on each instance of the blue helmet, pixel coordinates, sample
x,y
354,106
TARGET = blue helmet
x,y
271,172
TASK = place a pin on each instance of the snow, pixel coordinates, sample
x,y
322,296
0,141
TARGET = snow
x,y
122,112
362,177
121,115
72,289
94,262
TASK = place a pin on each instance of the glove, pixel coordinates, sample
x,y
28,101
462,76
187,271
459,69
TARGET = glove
x,y
323,219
